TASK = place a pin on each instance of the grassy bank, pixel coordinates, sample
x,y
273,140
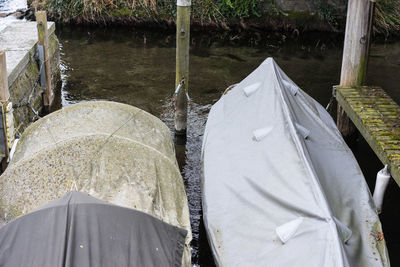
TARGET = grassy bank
x,y
223,14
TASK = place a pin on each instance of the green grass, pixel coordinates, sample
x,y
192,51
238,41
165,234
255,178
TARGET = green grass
x,y
387,14
387,17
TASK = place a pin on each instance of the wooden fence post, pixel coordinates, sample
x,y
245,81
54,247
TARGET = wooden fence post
x,y
4,97
43,46
182,64
355,54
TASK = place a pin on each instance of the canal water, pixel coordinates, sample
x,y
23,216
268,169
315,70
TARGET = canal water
x,y
138,68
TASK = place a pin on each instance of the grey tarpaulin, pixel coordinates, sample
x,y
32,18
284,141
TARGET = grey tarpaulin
x,y
280,186
79,230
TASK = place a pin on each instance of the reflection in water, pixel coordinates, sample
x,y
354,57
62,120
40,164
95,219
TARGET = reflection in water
x,y
138,68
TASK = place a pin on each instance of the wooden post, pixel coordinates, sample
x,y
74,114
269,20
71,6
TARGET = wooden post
x,y
355,54
182,64
43,46
4,97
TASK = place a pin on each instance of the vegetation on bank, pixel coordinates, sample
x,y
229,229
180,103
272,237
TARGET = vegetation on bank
x,y
220,13
387,17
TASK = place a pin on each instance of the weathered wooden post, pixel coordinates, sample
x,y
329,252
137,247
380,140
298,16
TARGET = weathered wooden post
x,y
43,47
4,97
182,64
355,54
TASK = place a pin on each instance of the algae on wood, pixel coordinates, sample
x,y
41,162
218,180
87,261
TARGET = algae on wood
x,y
355,54
43,43
377,117
182,64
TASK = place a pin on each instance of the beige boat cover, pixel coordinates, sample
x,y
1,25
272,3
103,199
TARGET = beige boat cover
x,y
280,186
112,151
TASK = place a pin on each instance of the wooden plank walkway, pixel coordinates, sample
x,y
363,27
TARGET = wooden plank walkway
x,y
377,117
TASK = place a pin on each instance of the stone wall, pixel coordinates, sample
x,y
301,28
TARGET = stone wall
x,y
19,40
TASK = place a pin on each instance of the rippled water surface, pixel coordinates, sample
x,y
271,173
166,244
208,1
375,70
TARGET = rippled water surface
x,y
138,68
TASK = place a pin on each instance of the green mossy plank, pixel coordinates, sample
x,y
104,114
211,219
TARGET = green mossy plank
x,y
377,117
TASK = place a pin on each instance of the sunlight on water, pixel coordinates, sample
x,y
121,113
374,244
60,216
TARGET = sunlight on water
x,y
7,6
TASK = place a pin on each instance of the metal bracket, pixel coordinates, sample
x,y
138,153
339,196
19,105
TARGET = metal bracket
x,y
41,67
334,91
183,2
363,39
182,33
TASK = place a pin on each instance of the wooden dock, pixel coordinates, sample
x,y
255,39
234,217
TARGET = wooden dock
x,y
367,108
377,117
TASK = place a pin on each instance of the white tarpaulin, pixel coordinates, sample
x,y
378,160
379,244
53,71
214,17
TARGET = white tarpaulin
x,y
280,186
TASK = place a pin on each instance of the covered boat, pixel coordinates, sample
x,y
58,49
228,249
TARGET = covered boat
x,y
280,185
79,230
112,151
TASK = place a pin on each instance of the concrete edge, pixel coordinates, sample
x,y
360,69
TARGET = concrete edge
x,y
51,27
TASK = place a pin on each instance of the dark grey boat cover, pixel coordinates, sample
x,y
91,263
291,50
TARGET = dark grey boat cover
x,y
79,230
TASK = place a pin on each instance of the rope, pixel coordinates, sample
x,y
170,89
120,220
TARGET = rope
x,y
172,100
27,103
5,101
329,106
230,87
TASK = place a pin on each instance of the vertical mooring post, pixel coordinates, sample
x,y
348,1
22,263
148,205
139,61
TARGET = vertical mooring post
x,y
182,65
43,47
355,54
4,97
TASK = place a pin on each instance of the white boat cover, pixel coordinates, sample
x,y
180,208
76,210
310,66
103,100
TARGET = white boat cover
x,y
280,186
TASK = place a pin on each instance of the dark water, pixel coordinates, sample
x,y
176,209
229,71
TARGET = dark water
x,y
138,68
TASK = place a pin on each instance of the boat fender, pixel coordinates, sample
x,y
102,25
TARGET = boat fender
x,y
286,231
292,88
304,132
382,181
344,231
259,134
250,89
14,146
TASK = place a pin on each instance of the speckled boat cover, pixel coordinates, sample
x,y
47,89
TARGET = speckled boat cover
x,y
114,152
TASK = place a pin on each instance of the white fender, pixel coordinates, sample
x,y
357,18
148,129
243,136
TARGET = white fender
x,y
382,181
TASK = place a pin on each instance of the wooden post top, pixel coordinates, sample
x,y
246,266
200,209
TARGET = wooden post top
x,y
41,19
4,93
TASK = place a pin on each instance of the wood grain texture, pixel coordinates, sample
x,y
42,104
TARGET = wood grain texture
x,y
4,96
356,43
182,67
377,117
43,40
4,93
355,54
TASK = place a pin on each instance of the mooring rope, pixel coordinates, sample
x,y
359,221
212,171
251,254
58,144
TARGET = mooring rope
x,y
172,100
27,103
